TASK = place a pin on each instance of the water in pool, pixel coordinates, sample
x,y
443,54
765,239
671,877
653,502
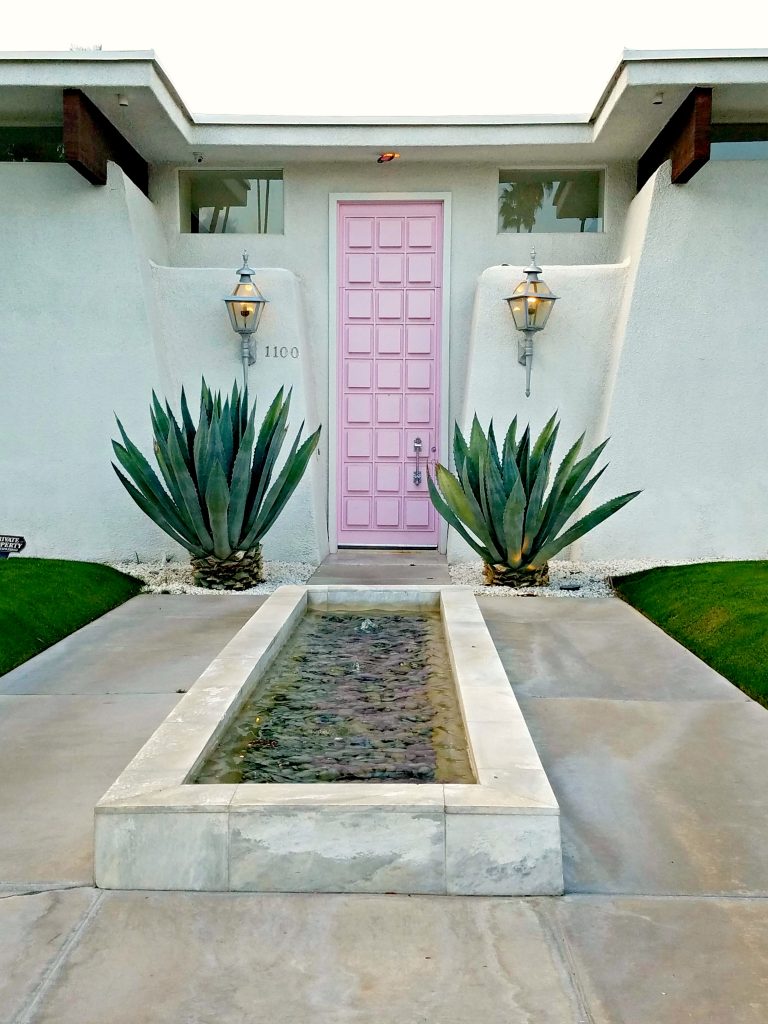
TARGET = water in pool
x,y
352,697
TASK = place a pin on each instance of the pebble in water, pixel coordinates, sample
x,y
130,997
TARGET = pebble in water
x,y
351,698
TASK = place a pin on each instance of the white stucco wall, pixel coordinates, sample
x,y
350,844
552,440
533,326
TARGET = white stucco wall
x,y
76,345
658,340
687,411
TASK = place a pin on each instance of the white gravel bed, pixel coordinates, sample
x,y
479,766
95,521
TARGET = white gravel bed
x,y
176,577
589,577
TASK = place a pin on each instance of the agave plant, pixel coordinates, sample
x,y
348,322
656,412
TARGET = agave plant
x,y
498,501
219,503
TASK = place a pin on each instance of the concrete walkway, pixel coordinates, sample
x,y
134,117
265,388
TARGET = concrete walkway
x,y
371,566
659,765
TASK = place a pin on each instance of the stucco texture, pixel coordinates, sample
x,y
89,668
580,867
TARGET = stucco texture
x,y
657,340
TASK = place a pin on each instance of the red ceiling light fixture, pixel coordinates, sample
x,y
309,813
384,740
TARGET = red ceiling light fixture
x,y
385,158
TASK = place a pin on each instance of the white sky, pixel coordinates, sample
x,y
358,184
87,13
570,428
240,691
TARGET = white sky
x,y
385,56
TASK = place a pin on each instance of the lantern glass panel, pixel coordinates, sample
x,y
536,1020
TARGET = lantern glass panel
x,y
517,305
245,314
539,304
530,304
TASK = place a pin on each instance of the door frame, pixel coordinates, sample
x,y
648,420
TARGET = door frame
x,y
333,340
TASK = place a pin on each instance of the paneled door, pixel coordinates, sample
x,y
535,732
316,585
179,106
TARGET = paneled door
x,y
390,272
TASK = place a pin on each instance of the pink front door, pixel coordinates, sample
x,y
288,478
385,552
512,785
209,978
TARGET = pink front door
x,y
390,272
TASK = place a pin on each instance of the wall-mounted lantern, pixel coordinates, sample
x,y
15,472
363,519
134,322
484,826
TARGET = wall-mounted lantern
x,y
245,306
531,303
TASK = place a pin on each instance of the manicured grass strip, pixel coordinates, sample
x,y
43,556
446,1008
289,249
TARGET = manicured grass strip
x,y
718,610
45,599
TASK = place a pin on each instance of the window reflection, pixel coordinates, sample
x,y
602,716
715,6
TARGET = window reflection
x,y
550,201
739,142
31,144
232,202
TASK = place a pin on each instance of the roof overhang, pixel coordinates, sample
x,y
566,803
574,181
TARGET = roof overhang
x,y
158,124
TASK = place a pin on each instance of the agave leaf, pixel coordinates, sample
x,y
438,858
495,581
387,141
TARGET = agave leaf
x,y
556,492
574,490
272,439
514,522
152,510
589,522
484,501
583,468
267,430
163,458
569,506
206,402
189,428
477,445
493,448
464,505
189,493
228,450
244,409
549,430
288,480
241,480
496,499
284,486
201,454
453,520
217,502
142,473
215,444
534,514
180,436
146,481
239,422
509,468
522,456
160,417
207,451
460,449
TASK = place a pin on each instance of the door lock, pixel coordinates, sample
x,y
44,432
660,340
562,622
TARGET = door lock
x,y
417,471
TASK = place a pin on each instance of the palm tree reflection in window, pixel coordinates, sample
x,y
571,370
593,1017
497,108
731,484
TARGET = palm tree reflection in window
x,y
520,201
550,200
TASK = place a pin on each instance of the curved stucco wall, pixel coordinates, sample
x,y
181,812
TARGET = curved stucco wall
x,y
198,340
665,353
687,412
571,357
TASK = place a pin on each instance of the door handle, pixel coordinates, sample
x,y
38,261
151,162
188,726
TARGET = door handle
x,y
417,471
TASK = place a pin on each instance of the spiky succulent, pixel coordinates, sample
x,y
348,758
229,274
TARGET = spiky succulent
x,y
498,501
218,499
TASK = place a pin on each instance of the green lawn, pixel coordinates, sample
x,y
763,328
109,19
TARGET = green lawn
x,y
45,599
718,610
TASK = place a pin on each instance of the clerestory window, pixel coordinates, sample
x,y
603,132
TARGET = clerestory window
x,y
550,201
231,202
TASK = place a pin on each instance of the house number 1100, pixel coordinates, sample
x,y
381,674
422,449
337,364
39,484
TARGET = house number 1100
x,y
281,353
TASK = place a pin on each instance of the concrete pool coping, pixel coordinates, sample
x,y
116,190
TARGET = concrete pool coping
x,y
500,836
